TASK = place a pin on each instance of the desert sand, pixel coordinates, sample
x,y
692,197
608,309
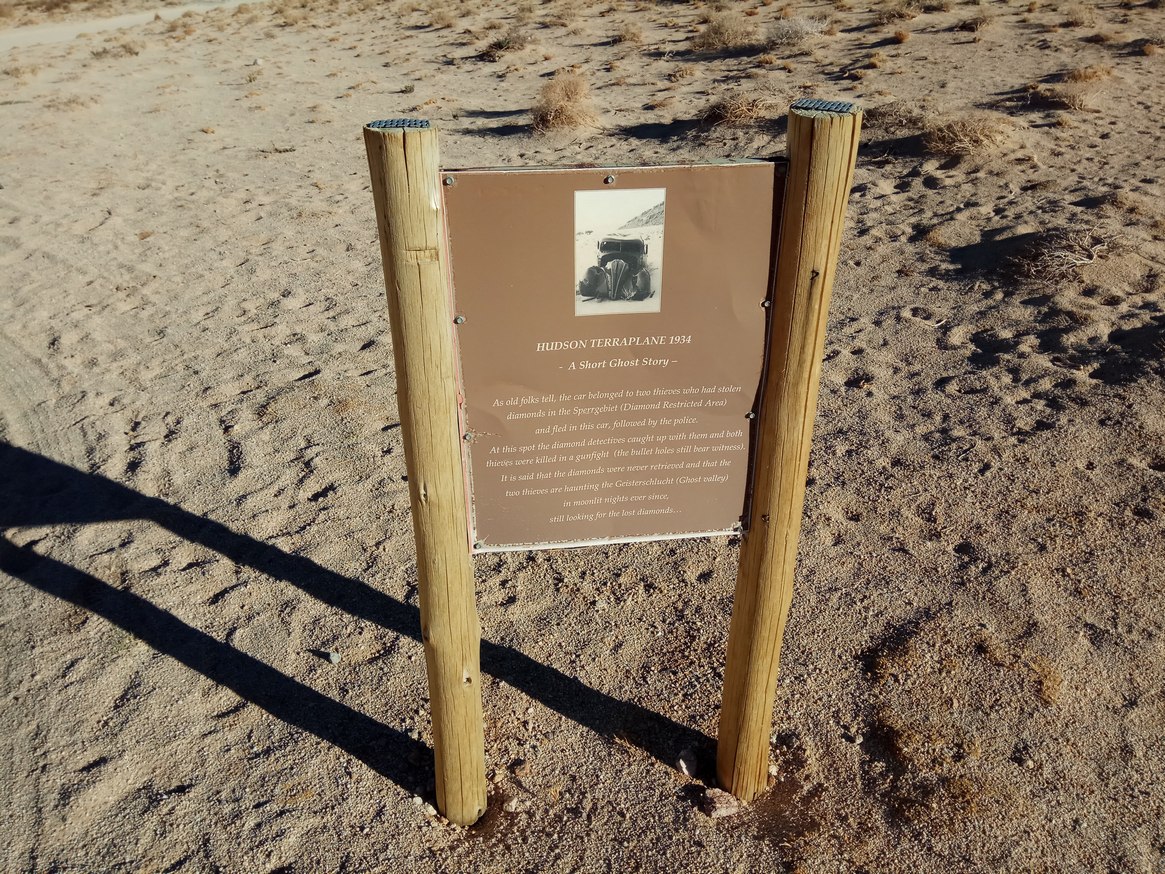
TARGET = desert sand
x,y
202,488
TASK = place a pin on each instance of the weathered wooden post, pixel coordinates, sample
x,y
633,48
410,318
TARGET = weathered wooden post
x,y
404,161
822,145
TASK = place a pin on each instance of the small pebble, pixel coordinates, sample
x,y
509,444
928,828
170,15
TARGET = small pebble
x,y
718,804
430,810
774,770
687,763
418,801
333,657
512,806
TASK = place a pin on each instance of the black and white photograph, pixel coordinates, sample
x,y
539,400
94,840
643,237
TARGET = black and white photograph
x,y
618,251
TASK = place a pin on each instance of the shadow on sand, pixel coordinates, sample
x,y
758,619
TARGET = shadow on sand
x,y
40,491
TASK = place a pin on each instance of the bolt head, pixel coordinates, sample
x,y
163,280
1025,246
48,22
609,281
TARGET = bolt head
x,y
448,180
610,180
459,320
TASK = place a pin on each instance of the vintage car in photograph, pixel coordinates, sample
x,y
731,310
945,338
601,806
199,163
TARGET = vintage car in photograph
x,y
621,273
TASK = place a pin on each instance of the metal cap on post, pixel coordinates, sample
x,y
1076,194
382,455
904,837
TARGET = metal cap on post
x,y
822,145
403,159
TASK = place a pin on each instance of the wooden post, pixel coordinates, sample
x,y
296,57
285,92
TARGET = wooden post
x,y
406,186
822,143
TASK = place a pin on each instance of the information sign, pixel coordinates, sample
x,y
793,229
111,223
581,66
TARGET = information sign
x,y
610,326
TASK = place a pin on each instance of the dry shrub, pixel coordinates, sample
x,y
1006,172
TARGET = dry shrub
x,y
681,73
1078,97
564,102
794,31
1130,203
901,10
899,117
900,36
125,49
937,6
1079,15
21,71
292,14
971,136
977,23
766,60
441,18
725,31
1088,74
629,33
1102,38
1059,254
563,15
512,40
876,60
738,110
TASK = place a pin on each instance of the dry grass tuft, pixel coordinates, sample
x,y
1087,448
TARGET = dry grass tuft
x,y
512,40
901,10
1088,74
564,102
725,31
1079,15
629,33
900,36
21,71
977,23
738,110
1060,254
894,118
125,49
1078,97
1102,38
794,31
972,136
681,73
441,18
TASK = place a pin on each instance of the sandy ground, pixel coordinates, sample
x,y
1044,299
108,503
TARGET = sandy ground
x,y
203,486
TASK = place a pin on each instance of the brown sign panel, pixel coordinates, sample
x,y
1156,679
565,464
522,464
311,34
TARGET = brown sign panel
x,y
611,335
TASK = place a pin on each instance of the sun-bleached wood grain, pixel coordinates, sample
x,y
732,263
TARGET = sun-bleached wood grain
x,y
822,149
404,164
